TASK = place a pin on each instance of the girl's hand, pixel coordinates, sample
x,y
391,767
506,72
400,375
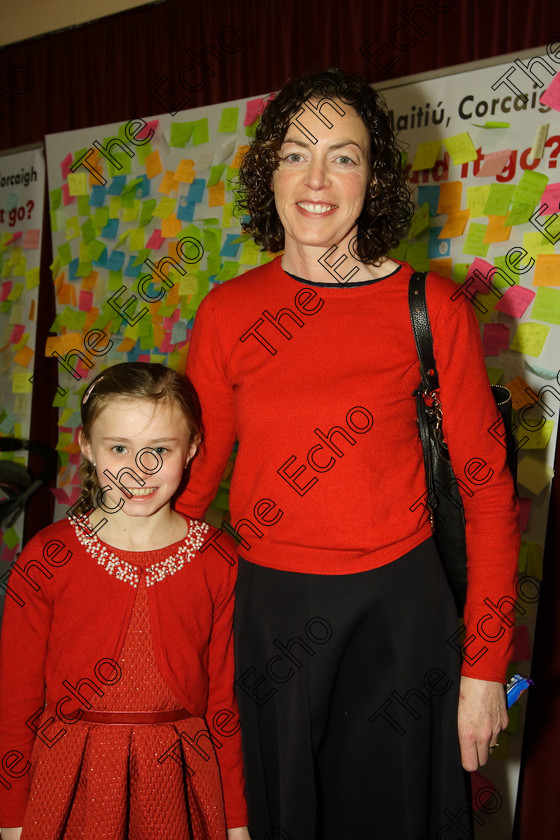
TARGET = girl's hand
x,y
241,833
481,717
11,833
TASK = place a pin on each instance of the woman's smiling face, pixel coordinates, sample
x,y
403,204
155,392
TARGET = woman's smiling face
x,y
319,188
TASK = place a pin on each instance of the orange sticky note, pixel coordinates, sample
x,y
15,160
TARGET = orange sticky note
x,y
240,154
185,172
153,164
450,197
443,267
455,224
126,344
521,392
168,183
88,283
497,230
217,195
66,294
171,226
547,270
23,356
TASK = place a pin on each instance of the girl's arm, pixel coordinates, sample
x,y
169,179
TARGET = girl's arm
x,y
15,834
233,834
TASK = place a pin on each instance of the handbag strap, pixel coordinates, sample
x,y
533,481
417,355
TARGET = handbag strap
x,y
422,331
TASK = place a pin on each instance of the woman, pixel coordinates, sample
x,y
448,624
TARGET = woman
x,y
348,668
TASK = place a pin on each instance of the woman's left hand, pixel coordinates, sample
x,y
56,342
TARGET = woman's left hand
x,y
241,833
482,716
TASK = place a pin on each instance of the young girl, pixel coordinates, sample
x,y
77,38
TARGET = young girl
x,y
122,618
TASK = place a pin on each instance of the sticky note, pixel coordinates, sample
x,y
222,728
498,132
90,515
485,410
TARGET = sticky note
x,y
153,164
185,172
216,195
547,270
164,207
550,198
460,147
474,240
431,195
438,247
31,240
539,438
200,131
21,383
515,301
228,120
534,474
455,224
497,230
547,306
450,197
530,188
252,110
530,338
499,199
180,134
521,393
494,163
171,226
168,185
519,214
239,155
476,200
426,155
551,96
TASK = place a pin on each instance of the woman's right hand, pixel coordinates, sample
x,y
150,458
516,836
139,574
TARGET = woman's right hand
x,y
10,833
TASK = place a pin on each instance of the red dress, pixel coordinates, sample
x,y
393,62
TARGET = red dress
x,y
134,782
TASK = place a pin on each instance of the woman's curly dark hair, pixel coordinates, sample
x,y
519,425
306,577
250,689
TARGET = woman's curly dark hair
x,y
388,207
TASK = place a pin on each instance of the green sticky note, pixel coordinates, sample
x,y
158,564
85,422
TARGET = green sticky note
x,y
127,199
83,269
213,264
417,255
142,153
212,240
122,167
215,174
114,206
499,199
200,131
55,220
72,227
76,320
147,211
228,120
546,306
420,220
509,271
88,231
230,269
495,375
64,254
530,188
399,253
164,207
476,200
96,248
11,537
115,281
460,147
100,217
136,239
474,240
180,133
535,243
84,208
55,198
492,124
32,278
519,214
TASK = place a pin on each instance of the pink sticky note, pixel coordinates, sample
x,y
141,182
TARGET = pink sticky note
x,y
515,301
254,108
551,96
495,337
524,512
477,284
156,240
85,301
17,333
166,346
144,357
145,132
66,197
550,198
5,289
494,162
521,644
31,240
14,238
75,457
65,166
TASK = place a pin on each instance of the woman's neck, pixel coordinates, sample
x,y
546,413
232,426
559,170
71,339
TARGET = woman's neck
x,y
338,267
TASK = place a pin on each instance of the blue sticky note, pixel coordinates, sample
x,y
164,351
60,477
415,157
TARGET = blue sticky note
x,y
185,211
230,246
102,258
431,195
196,190
73,269
131,269
97,196
111,229
438,248
143,189
115,261
117,185
179,332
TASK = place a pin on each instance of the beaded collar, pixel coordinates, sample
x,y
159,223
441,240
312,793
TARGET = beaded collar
x,y
129,572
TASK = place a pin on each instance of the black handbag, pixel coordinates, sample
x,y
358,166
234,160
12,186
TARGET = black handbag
x,y
444,502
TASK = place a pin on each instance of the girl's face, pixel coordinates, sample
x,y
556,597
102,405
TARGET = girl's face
x,y
319,187
141,447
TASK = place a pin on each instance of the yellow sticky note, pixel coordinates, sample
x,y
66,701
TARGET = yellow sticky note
x,y
153,164
249,253
21,383
239,155
530,338
426,155
77,183
547,270
476,199
450,197
136,239
216,195
168,183
539,438
32,278
460,147
534,474
164,207
188,285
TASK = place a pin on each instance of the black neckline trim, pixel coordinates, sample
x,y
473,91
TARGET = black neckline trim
x,y
357,285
